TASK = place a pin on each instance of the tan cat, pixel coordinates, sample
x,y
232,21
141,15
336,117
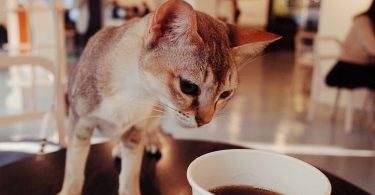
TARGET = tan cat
x,y
177,58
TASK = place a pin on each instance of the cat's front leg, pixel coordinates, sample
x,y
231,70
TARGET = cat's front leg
x,y
152,127
76,156
153,143
132,145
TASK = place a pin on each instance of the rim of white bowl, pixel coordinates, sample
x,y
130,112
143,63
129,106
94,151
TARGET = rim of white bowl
x,y
205,192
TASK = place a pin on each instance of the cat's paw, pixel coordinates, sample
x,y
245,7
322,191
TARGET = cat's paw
x,y
130,192
152,149
124,193
72,187
71,192
153,144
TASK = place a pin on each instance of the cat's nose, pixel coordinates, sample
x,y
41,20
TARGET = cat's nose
x,y
201,121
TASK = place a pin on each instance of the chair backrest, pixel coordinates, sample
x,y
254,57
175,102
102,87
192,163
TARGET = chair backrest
x,y
43,31
58,97
304,48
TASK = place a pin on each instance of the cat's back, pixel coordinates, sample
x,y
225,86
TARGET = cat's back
x,y
101,44
106,40
91,76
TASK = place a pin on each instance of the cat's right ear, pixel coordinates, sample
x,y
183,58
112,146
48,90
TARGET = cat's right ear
x,y
247,43
173,19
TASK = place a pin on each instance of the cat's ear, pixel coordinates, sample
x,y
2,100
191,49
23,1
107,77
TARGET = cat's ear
x,y
173,19
247,43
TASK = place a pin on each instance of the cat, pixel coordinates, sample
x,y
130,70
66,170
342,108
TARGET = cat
x,y
176,59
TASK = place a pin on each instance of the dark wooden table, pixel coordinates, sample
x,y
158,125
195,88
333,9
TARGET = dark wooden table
x,y
164,176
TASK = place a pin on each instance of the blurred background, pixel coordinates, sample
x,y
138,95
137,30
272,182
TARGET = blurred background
x,y
282,105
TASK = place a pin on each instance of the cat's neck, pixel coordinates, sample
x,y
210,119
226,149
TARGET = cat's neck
x,y
130,50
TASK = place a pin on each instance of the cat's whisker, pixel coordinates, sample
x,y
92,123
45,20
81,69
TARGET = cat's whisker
x,y
136,35
222,114
246,61
155,105
225,119
250,60
154,116
159,103
149,117
170,107
160,111
159,106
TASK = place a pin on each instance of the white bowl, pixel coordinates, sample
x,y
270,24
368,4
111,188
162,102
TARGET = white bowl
x,y
275,172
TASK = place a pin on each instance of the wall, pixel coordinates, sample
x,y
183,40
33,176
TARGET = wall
x,y
206,6
3,12
336,16
43,32
253,13
12,25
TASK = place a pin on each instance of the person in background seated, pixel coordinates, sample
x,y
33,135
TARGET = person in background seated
x,y
146,9
236,11
116,10
89,21
356,65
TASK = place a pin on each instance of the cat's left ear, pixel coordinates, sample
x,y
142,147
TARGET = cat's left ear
x,y
172,20
247,43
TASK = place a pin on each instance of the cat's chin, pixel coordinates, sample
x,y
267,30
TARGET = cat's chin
x,y
186,125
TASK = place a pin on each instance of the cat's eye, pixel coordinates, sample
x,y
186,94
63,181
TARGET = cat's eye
x,y
189,88
225,94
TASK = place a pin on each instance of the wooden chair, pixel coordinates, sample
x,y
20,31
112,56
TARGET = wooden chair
x,y
308,55
57,109
304,58
47,50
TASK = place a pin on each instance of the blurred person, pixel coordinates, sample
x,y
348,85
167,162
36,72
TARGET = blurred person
x,y
146,9
356,65
135,11
3,36
236,12
117,12
89,20
132,12
114,14
68,22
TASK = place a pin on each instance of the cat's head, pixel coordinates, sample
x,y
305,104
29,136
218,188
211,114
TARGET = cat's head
x,y
190,60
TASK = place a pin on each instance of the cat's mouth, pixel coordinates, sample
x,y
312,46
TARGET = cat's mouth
x,y
186,125
184,119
